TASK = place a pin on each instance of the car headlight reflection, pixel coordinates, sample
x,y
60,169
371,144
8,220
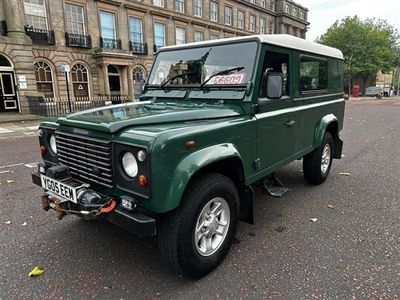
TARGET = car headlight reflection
x,y
129,164
53,145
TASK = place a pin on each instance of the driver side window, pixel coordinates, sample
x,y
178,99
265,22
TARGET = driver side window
x,y
275,62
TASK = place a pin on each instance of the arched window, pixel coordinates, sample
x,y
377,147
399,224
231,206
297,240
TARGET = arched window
x,y
138,74
80,80
4,62
44,78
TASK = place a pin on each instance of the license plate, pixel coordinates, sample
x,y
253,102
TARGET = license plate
x,y
58,188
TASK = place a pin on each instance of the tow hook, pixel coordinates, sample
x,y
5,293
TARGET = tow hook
x,y
63,208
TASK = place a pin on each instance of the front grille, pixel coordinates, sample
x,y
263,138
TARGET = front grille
x,y
88,159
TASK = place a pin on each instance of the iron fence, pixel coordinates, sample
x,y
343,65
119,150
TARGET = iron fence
x,y
48,107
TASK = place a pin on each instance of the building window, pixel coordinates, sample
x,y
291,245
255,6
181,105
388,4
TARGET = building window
x,y
136,30
295,11
272,5
263,3
214,11
35,13
262,26
271,26
198,36
228,15
214,36
302,15
252,23
180,5
287,8
180,35
197,8
158,3
313,74
80,80
138,74
159,35
75,19
240,19
44,79
107,21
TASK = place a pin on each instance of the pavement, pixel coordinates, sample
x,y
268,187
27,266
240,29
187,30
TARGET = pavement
x,y
12,130
352,251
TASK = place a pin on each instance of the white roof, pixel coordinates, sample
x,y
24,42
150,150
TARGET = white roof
x,y
283,40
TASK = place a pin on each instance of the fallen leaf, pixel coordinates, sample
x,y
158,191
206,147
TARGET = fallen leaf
x,y
314,220
7,222
10,180
344,173
24,224
331,206
36,271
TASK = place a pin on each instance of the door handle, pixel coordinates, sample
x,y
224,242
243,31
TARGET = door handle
x,y
290,123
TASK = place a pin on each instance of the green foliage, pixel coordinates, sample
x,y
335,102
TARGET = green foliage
x,y
368,46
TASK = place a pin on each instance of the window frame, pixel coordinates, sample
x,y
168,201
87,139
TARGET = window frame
x,y
74,70
141,29
46,17
196,4
176,35
243,20
216,12
254,24
165,33
83,17
40,64
201,34
115,24
317,59
264,31
161,3
226,9
181,4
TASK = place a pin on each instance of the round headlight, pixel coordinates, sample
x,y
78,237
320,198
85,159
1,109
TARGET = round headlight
x,y
142,156
129,164
53,145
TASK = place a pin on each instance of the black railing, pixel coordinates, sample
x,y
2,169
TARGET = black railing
x,y
78,40
110,43
59,106
138,48
3,27
40,36
157,47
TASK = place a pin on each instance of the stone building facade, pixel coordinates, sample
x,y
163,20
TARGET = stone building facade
x,y
107,46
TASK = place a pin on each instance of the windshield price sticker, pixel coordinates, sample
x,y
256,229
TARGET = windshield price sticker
x,y
229,79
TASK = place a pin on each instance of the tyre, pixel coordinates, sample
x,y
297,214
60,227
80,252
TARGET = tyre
x,y
317,164
195,238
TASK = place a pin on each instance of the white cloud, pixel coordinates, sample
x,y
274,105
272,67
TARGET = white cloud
x,y
323,13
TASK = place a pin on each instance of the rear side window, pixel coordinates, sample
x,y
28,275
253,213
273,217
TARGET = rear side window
x,y
313,74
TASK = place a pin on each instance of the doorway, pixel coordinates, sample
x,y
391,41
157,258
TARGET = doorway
x,y
8,91
114,80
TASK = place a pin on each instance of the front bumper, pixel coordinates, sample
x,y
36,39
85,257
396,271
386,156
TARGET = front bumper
x,y
133,221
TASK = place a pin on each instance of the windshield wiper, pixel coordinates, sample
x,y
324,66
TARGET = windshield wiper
x,y
176,76
223,72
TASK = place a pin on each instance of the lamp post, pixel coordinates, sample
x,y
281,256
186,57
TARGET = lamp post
x,y
66,70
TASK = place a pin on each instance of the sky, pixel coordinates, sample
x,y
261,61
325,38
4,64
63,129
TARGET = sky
x,y
323,13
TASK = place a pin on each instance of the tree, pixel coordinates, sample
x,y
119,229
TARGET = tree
x,y
368,46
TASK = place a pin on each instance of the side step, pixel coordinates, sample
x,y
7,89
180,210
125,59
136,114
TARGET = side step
x,y
273,186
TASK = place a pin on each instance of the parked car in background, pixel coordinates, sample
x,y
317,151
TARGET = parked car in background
x,y
374,91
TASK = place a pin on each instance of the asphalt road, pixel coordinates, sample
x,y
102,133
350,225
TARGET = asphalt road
x,y
353,250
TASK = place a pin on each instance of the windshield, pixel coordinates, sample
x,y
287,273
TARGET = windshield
x,y
223,65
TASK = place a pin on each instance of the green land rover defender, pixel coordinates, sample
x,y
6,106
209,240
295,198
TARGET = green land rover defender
x,y
216,119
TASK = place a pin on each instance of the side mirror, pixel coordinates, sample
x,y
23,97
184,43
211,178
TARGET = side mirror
x,y
274,86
